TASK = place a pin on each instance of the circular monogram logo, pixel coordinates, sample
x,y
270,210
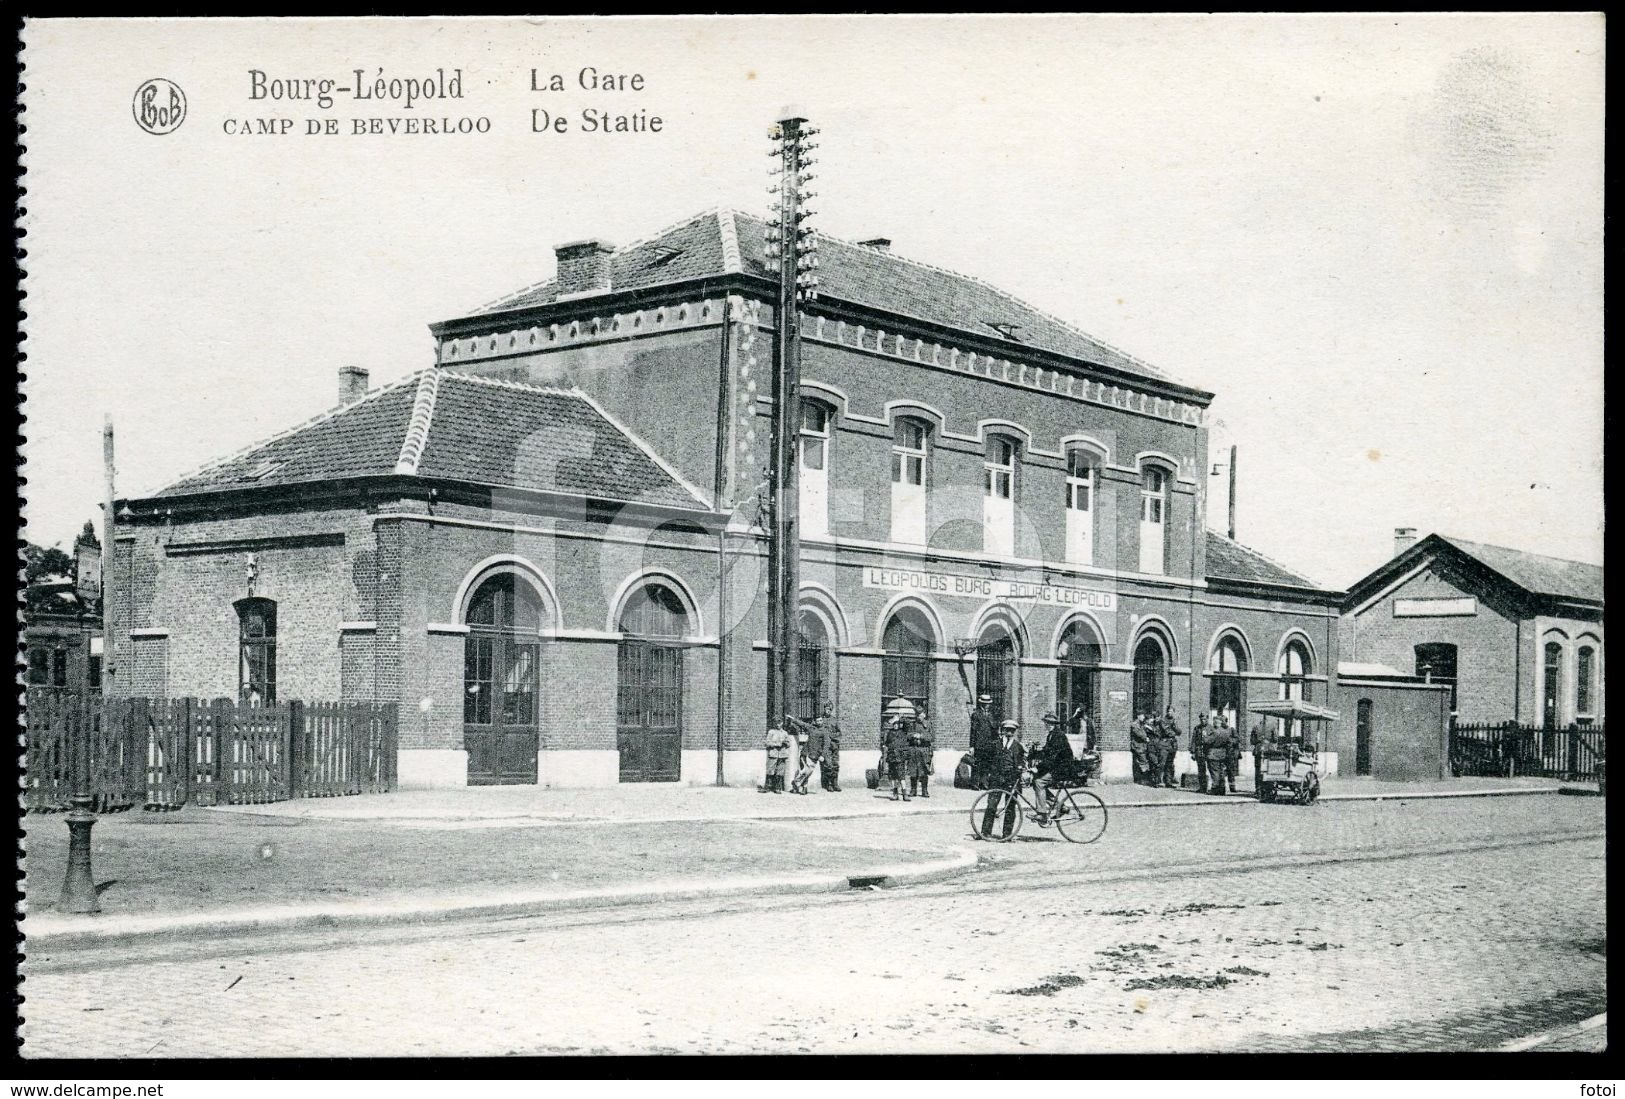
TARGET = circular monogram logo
x,y
159,106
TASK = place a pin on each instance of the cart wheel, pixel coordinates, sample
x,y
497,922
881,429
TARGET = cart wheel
x,y
980,807
1080,816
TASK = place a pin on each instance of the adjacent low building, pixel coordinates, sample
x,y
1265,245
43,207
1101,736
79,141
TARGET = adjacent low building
x,y
548,546
1517,637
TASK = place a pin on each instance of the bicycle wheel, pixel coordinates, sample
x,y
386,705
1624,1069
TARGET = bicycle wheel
x,y
979,809
1080,816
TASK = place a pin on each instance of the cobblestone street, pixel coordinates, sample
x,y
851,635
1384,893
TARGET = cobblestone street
x,y
1358,926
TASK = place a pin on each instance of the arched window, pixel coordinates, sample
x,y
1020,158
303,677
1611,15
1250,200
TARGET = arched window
x,y
1552,690
1080,507
1585,670
256,646
1227,690
1436,662
501,674
812,665
908,456
997,667
649,685
814,481
1077,678
1294,666
998,496
907,670
1153,518
1150,678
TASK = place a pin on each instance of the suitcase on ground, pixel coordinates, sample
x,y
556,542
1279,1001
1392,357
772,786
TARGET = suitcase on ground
x,y
962,773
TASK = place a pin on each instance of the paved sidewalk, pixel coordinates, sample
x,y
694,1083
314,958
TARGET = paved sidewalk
x,y
530,806
201,870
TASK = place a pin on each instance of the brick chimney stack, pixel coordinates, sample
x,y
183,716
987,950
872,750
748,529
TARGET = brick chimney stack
x,y
352,384
1404,539
583,267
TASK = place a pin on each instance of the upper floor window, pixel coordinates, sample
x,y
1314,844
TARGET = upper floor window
x,y
256,646
908,453
1153,513
1080,504
908,482
999,468
814,435
814,480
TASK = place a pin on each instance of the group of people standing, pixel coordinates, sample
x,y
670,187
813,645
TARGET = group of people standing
x,y
1216,748
1153,742
908,748
816,745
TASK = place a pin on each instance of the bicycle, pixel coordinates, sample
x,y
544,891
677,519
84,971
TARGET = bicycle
x,y
1078,814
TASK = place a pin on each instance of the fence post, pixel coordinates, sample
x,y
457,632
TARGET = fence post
x,y
295,735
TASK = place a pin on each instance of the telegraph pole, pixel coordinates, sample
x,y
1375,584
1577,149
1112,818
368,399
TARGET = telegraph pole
x,y
792,251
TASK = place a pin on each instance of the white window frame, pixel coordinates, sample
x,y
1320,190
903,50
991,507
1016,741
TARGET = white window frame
x,y
999,463
814,480
1153,520
1080,506
910,453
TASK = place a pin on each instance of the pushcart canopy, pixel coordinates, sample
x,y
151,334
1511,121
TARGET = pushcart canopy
x,y
1294,708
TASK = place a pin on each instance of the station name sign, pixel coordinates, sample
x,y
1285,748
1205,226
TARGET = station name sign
x,y
982,587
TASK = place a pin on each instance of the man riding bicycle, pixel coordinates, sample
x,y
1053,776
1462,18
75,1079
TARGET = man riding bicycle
x,y
1053,764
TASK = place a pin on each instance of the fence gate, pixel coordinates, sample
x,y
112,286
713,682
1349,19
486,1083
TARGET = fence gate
x,y
1511,750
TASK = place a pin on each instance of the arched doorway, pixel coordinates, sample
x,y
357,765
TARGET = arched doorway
x,y
1227,690
907,670
1150,678
813,664
501,658
997,665
1077,678
649,685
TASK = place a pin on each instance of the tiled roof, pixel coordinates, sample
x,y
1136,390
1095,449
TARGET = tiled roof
x,y
1228,560
480,431
852,273
1551,576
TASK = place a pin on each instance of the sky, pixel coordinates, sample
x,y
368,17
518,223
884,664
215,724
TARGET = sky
x,y
1378,240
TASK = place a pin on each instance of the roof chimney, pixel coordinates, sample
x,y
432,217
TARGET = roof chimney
x,y
352,384
583,267
879,244
1404,539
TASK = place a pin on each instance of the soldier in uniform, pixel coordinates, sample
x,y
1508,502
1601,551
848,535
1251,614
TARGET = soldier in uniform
x,y
778,760
1198,737
1221,743
894,746
1259,738
1169,728
1139,743
983,736
1156,749
922,743
830,774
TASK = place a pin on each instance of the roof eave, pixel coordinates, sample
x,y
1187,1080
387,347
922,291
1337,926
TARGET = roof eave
x,y
1306,593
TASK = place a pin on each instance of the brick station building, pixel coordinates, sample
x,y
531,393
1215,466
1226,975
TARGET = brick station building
x,y
548,545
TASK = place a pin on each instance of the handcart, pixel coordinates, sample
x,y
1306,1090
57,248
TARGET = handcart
x,y
1289,767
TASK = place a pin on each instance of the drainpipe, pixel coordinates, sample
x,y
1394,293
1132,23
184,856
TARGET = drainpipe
x,y
721,482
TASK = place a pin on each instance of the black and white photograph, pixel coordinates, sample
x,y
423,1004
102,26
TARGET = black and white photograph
x,y
960,536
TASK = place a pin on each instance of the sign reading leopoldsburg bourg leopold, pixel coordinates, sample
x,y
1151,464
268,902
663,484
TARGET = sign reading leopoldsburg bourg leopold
x,y
982,587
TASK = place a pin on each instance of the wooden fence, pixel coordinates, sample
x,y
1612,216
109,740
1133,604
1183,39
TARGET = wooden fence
x,y
1511,750
165,753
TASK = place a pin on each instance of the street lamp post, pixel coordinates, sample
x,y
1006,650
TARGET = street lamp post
x,y
79,886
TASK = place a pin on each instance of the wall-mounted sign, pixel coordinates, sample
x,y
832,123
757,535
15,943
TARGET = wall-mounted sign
x,y
1465,606
983,587
1117,696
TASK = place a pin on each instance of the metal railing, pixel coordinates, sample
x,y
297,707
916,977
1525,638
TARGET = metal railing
x,y
1510,750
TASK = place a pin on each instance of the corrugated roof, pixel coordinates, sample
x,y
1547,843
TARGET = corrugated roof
x,y
852,273
1229,560
1552,576
480,431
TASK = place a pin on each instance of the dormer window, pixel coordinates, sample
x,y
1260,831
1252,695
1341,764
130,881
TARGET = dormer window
x,y
1007,329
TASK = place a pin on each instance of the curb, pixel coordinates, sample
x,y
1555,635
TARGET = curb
x,y
1534,1041
69,933
540,821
